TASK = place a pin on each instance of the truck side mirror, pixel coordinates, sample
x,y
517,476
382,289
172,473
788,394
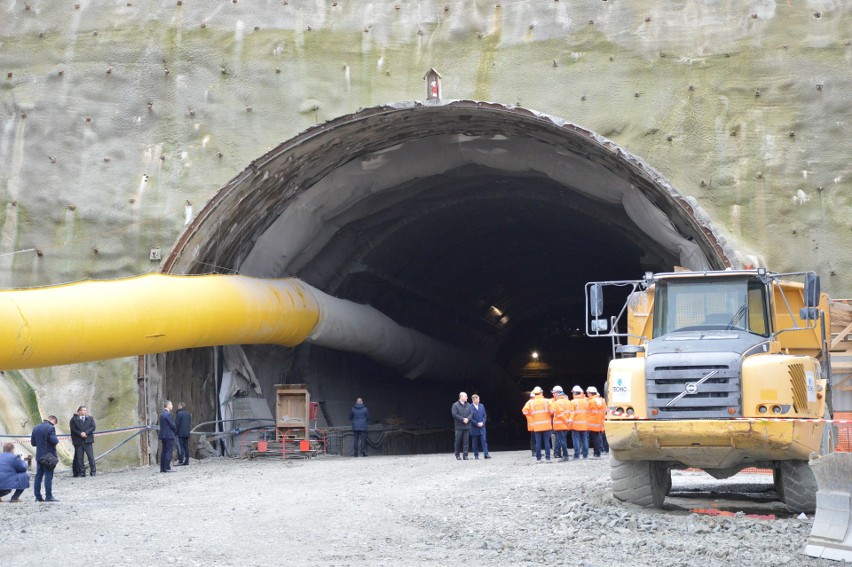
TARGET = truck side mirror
x,y
812,291
596,300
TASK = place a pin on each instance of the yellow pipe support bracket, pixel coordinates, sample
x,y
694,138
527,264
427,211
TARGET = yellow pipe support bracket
x,y
96,320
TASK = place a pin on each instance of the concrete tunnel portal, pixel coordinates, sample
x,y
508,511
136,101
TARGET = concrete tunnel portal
x,y
473,223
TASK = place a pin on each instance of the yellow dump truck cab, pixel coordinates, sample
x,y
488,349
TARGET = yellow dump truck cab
x,y
714,370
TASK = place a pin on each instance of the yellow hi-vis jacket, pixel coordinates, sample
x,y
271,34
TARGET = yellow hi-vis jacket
x,y
579,413
597,413
561,410
538,410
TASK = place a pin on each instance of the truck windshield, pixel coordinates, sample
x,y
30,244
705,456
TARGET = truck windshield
x,y
711,304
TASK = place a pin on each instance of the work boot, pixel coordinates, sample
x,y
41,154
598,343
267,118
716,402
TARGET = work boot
x,y
476,457
465,457
487,456
458,458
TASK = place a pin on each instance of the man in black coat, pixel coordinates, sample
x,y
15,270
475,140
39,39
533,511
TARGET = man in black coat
x,y
462,415
360,417
183,421
82,428
45,441
168,430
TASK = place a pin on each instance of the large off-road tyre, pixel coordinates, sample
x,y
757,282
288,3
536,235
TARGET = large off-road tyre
x,y
779,486
644,483
798,486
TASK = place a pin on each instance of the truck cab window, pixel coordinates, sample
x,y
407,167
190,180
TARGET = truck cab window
x,y
720,305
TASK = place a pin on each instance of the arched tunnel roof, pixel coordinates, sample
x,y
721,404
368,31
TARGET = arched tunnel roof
x,y
475,205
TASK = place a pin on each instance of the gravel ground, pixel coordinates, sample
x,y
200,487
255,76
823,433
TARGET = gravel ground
x,y
407,510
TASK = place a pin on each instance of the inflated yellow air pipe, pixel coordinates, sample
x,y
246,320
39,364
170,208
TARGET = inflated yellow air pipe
x,y
96,320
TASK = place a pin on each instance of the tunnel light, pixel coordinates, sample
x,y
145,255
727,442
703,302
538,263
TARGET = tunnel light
x,y
504,319
534,355
496,313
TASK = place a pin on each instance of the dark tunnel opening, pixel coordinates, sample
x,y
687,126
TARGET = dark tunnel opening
x,y
477,227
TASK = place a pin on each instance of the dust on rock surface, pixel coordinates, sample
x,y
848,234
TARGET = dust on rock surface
x,y
401,510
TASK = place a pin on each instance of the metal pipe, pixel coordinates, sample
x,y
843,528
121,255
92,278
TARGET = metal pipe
x,y
153,313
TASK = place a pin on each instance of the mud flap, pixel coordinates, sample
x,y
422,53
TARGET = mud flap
x,y
831,537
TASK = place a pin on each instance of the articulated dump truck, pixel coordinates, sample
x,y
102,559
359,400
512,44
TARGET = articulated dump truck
x,y
718,371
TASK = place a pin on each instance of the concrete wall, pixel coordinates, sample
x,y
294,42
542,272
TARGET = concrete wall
x,y
119,119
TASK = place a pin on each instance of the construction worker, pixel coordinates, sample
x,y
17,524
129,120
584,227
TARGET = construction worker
x,y
561,410
596,415
579,422
538,408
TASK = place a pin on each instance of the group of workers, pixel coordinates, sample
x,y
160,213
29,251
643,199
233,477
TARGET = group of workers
x,y
582,414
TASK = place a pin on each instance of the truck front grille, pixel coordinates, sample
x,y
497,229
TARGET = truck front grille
x,y
710,398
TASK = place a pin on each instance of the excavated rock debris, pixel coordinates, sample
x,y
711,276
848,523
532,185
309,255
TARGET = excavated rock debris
x,y
402,510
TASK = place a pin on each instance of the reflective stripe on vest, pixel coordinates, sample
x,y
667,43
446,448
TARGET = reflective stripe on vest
x,y
538,410
561,413
579,418
597,413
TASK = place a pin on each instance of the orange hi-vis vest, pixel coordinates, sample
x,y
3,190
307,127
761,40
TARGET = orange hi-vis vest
x,y
538,410
597,413
579,413
561,409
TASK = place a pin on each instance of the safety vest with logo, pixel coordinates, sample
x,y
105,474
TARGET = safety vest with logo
x,y
597,413
579,413
538,410
561,409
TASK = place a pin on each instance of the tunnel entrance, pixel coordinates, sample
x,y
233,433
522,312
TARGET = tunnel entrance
x,y
476,224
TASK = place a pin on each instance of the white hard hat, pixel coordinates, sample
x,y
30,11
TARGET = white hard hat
x,y
591,390
537,390
577,390
532,394
556,389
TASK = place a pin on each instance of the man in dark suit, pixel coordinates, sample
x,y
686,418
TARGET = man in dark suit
x,y
83,438
183,421
45,441
168,430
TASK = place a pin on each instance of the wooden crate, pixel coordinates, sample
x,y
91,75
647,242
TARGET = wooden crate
x,y
292,411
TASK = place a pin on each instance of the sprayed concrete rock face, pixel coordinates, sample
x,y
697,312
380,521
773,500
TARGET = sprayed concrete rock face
x,y
118,121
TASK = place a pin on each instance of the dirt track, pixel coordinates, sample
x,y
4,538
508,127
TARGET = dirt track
x,y
406,510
